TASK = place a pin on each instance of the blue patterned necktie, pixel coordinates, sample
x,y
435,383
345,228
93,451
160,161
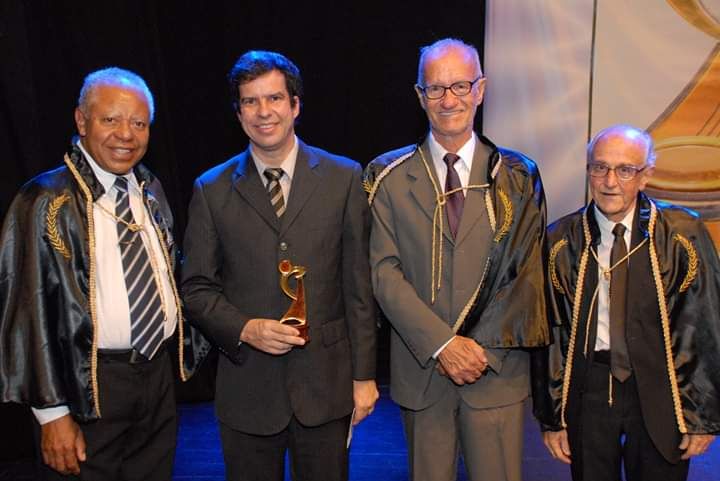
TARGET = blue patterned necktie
x,y
146,312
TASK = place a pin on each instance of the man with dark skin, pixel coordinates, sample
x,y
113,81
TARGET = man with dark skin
x,y
88,297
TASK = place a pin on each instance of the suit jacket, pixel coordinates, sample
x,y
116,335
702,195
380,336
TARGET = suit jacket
x,y
474,276
48,324
233,244
676,376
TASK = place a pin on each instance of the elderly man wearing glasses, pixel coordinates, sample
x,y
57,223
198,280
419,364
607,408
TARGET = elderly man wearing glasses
x,y
634,291
455,253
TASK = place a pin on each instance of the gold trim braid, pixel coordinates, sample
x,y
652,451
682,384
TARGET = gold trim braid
x,y
178,303
91,282
575,316
691,273
665,319
466,310
437,227
52,228
372,189
507,216
552,271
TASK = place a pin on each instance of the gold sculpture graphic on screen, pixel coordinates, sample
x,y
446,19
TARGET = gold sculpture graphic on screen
x,y
687,133
296,315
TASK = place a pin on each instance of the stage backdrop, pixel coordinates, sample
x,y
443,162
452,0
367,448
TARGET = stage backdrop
x,y
558,72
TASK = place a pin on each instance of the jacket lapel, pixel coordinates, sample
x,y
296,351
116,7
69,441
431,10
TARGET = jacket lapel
x,y
474,207
421,187
248,184
306,179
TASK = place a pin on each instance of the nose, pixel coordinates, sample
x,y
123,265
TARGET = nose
x,y
450,100
124,130
611,178
263,108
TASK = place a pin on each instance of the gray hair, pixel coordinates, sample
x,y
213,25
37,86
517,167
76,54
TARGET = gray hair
x,y
630,132
442,45
117,77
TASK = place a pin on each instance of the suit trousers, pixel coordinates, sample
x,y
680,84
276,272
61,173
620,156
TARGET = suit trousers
x,y
317,453
490,440
610,439
134,440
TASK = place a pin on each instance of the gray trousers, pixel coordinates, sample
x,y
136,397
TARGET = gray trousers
x,y
490,440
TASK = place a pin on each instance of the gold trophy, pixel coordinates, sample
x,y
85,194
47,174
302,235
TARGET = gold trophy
x,y
296,315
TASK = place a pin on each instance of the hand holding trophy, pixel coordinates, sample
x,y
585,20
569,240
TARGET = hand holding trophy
x,y
296,315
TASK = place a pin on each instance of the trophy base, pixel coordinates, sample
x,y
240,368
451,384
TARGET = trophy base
x,y
302,327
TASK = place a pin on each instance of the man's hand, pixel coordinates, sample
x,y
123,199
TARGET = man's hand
x,y
365,394
462,360
557,444
268,335
694,444
63,445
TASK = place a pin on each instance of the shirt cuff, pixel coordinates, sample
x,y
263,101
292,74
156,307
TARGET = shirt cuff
x,y
46,415
437,353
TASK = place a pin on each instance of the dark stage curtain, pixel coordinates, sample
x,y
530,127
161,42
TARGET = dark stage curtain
x,y
358,61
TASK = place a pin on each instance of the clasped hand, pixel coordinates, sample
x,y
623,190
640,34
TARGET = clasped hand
x,y
463,360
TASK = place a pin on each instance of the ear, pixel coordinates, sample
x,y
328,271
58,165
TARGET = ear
x,y
421,97
646,174
480,90
295,106
80,122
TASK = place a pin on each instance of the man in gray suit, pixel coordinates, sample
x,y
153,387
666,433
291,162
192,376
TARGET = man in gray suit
x,y
455,253
282,200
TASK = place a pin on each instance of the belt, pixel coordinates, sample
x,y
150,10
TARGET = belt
x,y
602,357
130,356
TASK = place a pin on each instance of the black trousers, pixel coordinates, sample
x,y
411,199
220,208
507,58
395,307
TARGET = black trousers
x,y
610,438
316,453
134,440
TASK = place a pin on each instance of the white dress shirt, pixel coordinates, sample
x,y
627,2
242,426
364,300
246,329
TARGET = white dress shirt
x,y
113,309
462,166
604,249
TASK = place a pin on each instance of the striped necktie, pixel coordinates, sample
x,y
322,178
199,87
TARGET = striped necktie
x,y
274,190
147,321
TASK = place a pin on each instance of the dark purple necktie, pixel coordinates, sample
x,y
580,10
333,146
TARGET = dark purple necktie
x,y
454,201
619,357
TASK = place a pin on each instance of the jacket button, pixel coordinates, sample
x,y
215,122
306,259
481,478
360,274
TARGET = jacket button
x,y
283,246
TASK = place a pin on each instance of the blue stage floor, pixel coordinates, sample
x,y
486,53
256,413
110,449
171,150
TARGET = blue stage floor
x,y
378,449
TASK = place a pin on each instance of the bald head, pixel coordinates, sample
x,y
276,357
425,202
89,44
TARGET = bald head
x,y
626,133
444,47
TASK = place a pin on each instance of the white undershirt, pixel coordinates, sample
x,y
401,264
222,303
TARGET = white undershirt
x,y
604,249
113,310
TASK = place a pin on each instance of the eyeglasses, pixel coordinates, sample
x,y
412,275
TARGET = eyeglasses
x,y
460,89
623,172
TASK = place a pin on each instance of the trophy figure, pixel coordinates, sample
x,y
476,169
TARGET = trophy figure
x,y
296,315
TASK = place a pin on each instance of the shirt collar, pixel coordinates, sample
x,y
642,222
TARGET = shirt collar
x,y
287,165
606,225
107,179
466,152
